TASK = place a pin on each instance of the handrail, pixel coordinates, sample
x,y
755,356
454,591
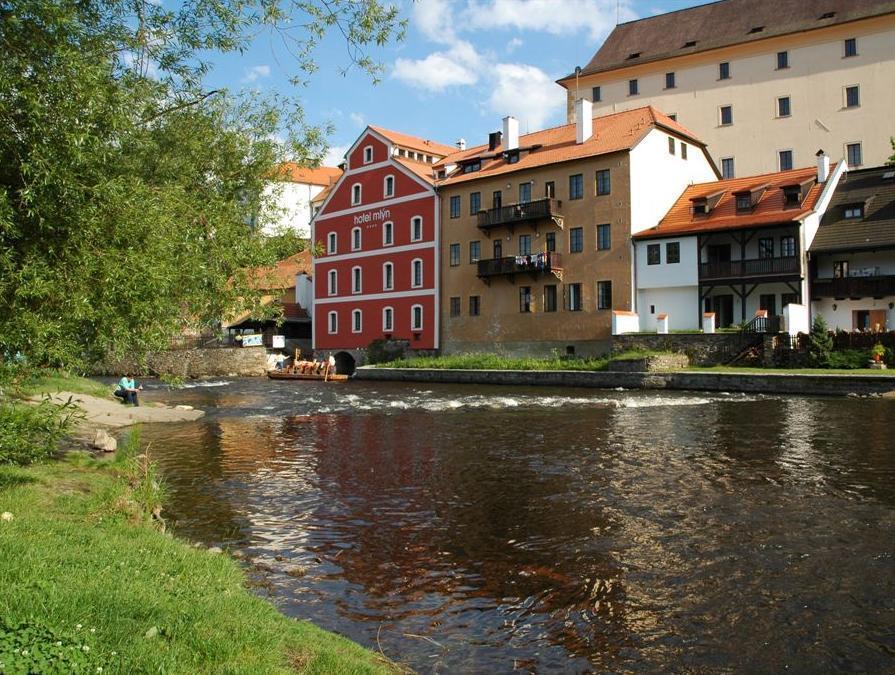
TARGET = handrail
x,y
539,209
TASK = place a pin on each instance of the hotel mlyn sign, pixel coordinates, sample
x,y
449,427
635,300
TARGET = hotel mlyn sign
x,y
377,233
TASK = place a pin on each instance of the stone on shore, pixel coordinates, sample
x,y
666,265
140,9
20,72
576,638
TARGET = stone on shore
x,y
104,441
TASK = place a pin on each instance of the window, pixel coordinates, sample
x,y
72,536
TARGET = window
x,y
368,154
550,242
498,249
416,279
653,254
576,240
785,160
726,114
724,71
852,96
633,88
356,284
513,157
596,94
550,190
854,211
783,107
604,183
475,203
455,255
416,228
782,60
524,244
851,47
356,321
355,239
475,304
524,193
388,319
550,298
332,279
669,80
472,167
744,202
840,269
672,252
853,154
416,318
575,300
332,323
683,150
604,239
766,247
768,301
525,299
496,198
455,206
331,240
604,295
388,276
727,169
787,246
389,188
388,234
789,299
455,306
670,145
355,194
791,196
576,186
475,251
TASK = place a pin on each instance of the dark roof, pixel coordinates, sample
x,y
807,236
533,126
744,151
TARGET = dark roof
x,y
876,229
722,24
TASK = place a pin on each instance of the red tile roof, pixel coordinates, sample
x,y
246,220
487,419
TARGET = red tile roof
x,y
282,274
415,142
611,133
770,209
421,169
323,175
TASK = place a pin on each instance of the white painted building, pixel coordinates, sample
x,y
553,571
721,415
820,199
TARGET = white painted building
x,y
293,195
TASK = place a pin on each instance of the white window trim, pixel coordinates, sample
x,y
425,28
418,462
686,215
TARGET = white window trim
x,y
385,327
332,243
333,283
415,328
356,239
385,242
413,283
412,220
391,286
357,321
332,323
385,193
721,166
360,194
368,154
357,276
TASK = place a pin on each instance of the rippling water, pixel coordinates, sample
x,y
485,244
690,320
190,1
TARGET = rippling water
x,y
492,529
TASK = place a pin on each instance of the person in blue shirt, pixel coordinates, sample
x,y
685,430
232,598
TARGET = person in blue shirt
x,y
127,390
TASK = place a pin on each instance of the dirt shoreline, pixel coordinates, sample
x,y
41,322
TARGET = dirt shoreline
x,y
102,412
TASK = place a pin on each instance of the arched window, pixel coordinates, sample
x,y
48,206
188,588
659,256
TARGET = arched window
x,y
368,154
388,319
416,274
356,321
355,194
388,189
333,283
333,323
355,239
388,276
356,284
388,233
416,228
416,318
331,240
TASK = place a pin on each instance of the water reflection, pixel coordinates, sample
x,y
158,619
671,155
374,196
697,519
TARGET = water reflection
x,y
487,529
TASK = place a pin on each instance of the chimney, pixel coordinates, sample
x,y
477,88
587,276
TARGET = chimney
x,y
461,144
493,140
510,132
823,166
584,120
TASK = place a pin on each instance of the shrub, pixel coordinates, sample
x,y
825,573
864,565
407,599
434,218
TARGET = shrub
x,y
30,433
820,343
847,359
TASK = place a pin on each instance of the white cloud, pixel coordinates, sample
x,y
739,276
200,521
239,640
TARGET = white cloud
x,y
527,93
558,17
255,72
358,119
513,45
434,18
457,66
335,154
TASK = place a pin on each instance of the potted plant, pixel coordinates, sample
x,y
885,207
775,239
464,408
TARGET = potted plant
x,y
877,352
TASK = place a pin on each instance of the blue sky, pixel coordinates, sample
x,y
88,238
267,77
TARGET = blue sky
x,y
463,66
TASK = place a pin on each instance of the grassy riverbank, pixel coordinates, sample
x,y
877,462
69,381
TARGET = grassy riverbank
x,y
495,362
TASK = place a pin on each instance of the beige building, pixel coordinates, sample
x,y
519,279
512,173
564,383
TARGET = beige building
x,y
765,83
536,229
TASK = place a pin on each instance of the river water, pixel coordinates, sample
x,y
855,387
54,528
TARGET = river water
x,y
492,529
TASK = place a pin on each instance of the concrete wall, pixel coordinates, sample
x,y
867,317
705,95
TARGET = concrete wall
x,y
703,349
240,361
681,304
684,273
842,318
536,348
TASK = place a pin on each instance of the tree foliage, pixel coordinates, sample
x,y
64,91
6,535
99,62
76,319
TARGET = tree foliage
x,y
820,343
126,189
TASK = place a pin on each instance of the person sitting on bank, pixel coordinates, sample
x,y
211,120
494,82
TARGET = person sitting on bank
x,y
127,390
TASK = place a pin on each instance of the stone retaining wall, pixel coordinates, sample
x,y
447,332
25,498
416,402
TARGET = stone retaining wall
x,y
657,362
242,361
767,383
702,349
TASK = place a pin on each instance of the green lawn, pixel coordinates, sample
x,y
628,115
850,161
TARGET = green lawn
x,y
495,362
792,371
44,381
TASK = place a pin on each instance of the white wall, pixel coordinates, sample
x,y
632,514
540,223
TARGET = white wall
x,y
885,260
777,289
811,223
797,319
624,322
658,178
684,273
292,208
841,318
681,304
304,292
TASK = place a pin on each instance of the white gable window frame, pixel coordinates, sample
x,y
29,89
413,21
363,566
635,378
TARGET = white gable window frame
x,y
332,243
356,280
355,239
388,319
356,194
332,322
368,154
388,276
388,186
332,283
416,228
416,273
416,318
357,321
388,233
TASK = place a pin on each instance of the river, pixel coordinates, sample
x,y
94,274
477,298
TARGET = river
x,y
492,529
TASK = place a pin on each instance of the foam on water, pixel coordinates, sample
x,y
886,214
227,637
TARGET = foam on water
x,y
211,383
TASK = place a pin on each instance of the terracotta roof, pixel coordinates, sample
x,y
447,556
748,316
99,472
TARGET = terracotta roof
x,y
876,229
282,275
415,142
769,210
421,169
323,175
722,24
322,195
612,133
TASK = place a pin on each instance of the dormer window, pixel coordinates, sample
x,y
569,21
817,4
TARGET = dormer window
x,y
744,202
700,207
756,29
512,156
854,211
689,43
827,15
703,204
473,166
791,196
633,55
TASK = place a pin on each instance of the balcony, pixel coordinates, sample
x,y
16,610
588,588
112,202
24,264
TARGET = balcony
x,y
756,268
542,263
877,286
527,212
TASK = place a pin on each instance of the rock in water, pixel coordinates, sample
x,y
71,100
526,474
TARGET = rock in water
x,y
104,441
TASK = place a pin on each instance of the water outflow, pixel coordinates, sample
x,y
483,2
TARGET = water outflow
x,y
487,529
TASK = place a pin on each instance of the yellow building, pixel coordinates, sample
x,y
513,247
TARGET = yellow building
x,y
536,229
765,83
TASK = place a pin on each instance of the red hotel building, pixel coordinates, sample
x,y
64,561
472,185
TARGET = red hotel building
x,y
378,230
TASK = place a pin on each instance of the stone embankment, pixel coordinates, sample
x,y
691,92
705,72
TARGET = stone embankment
x,y
191,363
766,383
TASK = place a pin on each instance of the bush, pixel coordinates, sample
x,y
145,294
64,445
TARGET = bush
x,y
30,433
820,343
847,359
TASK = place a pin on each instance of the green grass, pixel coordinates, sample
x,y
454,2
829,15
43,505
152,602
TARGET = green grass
x,y
637,354
84,566
46,381
792,371
496,362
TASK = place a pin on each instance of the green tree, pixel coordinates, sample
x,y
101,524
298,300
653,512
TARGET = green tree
x,y
820,343
892,142
126,189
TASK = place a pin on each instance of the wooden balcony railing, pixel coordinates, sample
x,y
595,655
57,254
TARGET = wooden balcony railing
x,y
550,263
854,287
540,209
743,269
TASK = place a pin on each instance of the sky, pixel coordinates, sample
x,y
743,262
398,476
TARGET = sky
x,y
462,67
